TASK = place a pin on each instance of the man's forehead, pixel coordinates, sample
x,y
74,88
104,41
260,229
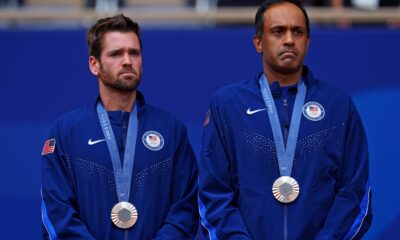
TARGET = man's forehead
x,y
121,39
116,35
283,14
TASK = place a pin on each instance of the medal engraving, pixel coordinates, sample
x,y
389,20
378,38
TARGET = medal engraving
x,y
124,215
285,189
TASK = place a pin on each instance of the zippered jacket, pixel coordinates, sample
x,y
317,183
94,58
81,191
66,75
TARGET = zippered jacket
x,y
238,165
78,186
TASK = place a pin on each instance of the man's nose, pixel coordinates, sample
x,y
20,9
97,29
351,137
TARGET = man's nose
x,y
289,40
127,59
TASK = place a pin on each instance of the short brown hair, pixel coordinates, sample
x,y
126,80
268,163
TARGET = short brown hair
x,y
119,23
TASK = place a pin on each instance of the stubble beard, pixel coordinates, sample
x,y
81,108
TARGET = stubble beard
x,y
127,84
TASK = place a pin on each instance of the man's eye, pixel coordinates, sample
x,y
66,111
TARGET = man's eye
x,y
277,32
115,54
298,32
136,53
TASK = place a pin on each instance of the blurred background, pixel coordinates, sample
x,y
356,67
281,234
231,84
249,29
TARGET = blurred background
x,y
190,49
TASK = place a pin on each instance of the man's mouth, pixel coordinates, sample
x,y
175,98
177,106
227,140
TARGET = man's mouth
x,y
288,53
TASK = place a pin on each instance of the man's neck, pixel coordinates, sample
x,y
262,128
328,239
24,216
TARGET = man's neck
x,y
115,100
283,79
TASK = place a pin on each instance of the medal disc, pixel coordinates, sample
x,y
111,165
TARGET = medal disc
x,y
285,189
124,215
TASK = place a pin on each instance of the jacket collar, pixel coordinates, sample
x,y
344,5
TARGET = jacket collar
x,y
139,100
307,76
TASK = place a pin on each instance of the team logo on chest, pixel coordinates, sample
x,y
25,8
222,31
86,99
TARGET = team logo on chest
x,y
153,140
313,111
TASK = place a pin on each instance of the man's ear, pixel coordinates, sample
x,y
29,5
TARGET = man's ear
x,y
94,65
258,44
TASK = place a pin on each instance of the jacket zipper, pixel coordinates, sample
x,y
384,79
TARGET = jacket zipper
x,y
286,124
285,220
286,133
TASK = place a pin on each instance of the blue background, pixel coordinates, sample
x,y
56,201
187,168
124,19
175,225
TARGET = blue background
x,y
44,73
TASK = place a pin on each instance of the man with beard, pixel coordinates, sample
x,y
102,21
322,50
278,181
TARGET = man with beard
x,y
118,168
284,154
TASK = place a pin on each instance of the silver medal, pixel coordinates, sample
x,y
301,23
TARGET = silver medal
x,y
285,189
124,215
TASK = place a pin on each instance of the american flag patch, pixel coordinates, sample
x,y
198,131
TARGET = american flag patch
x,y
207,119
49,146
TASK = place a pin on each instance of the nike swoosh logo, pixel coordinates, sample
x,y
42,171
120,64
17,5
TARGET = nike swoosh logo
x,y
250,112
90,142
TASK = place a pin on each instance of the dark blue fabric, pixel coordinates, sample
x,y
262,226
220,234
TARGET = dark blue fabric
x,y
79,188
238,166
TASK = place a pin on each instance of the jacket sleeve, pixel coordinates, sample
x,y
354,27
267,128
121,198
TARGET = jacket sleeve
x,y
60,213
350,215
182,219
217,198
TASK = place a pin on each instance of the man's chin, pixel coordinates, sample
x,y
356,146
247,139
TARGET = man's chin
x,y
125,89
287,69
126,85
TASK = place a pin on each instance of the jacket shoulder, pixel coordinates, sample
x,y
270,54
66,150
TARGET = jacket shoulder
x,y
163,116
228,93
74,117
332,92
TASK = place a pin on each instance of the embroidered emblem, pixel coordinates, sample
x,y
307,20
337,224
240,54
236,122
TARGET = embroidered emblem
x,y
313,111
207,119
153,140
49,146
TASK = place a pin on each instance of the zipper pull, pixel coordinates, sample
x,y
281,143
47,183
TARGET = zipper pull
x,y
285,102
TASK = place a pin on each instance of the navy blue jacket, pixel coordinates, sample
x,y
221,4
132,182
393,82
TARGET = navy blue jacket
x,y
239,165
78,186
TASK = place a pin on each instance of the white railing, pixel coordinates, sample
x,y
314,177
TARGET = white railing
x,y
200,14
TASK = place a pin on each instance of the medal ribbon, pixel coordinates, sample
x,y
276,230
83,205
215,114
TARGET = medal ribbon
x,y
123,174
285,155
